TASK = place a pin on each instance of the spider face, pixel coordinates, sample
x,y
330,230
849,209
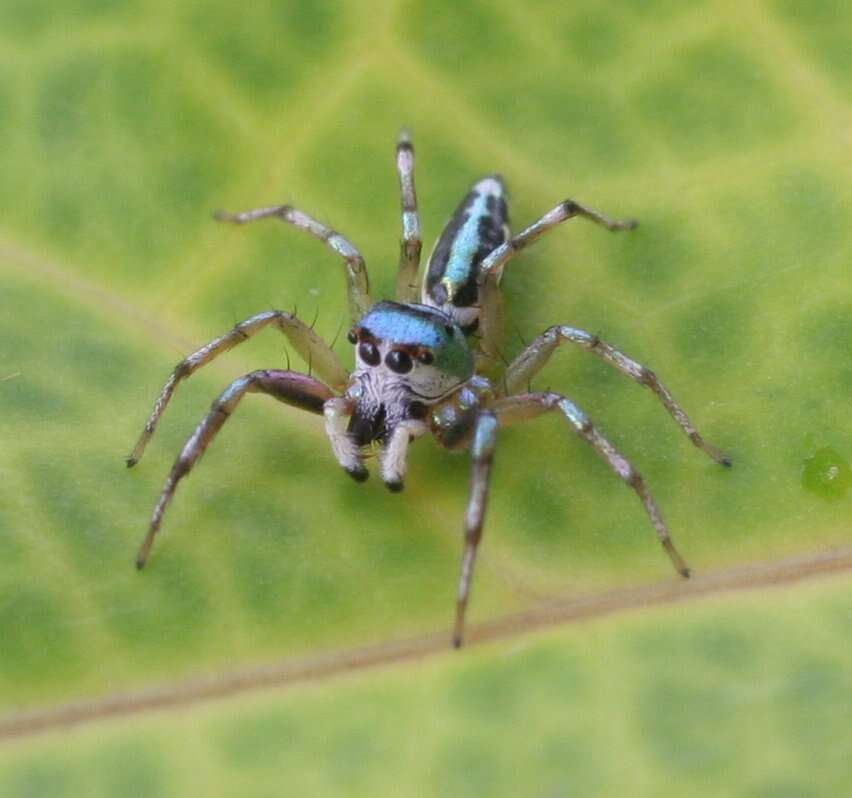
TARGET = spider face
x,y
407,357
415,364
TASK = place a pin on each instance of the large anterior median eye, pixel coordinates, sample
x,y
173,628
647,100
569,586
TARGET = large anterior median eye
x,y
399,361
369,353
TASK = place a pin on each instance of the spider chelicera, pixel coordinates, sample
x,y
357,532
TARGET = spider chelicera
x,y
421,367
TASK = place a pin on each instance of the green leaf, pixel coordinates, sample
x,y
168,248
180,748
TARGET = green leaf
x,y
736,696
722,126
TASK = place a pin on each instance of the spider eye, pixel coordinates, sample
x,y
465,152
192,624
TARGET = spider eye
x,y
369,353
352,337
426,357
399,361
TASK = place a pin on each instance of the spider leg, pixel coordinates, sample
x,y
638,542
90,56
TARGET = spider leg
x,y
491,267
392,457
482,455
526,406
289,387
411,243
491,321
303,339
357,280
535,356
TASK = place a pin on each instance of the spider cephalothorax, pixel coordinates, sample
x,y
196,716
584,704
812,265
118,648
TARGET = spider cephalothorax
x,y
407,357
418,366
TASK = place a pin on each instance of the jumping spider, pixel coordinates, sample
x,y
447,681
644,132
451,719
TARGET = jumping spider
x,y
419,367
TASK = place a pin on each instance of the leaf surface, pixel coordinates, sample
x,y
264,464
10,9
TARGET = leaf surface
x,y
722,126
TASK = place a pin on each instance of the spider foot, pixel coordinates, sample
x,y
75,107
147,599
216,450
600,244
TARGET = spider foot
x,y
226,216
142,556
711,451
680,566
719,456
359,473
458,629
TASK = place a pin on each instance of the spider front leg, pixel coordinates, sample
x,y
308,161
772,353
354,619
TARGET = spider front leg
x,y
482,455
527,406
304,340
289,387
526,365
410,244
357,280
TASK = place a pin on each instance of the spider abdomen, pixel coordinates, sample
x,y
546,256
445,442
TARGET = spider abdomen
x,y
478,226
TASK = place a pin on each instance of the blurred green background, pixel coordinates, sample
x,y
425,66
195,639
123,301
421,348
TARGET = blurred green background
x,y
723,126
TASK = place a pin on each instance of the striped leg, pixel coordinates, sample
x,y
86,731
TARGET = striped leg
x,y
526,365
410,244
289,387
482,455
527,406
493,264
490,324
357,280
304,340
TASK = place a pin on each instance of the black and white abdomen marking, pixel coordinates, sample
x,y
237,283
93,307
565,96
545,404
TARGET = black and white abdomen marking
x,y
479,225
